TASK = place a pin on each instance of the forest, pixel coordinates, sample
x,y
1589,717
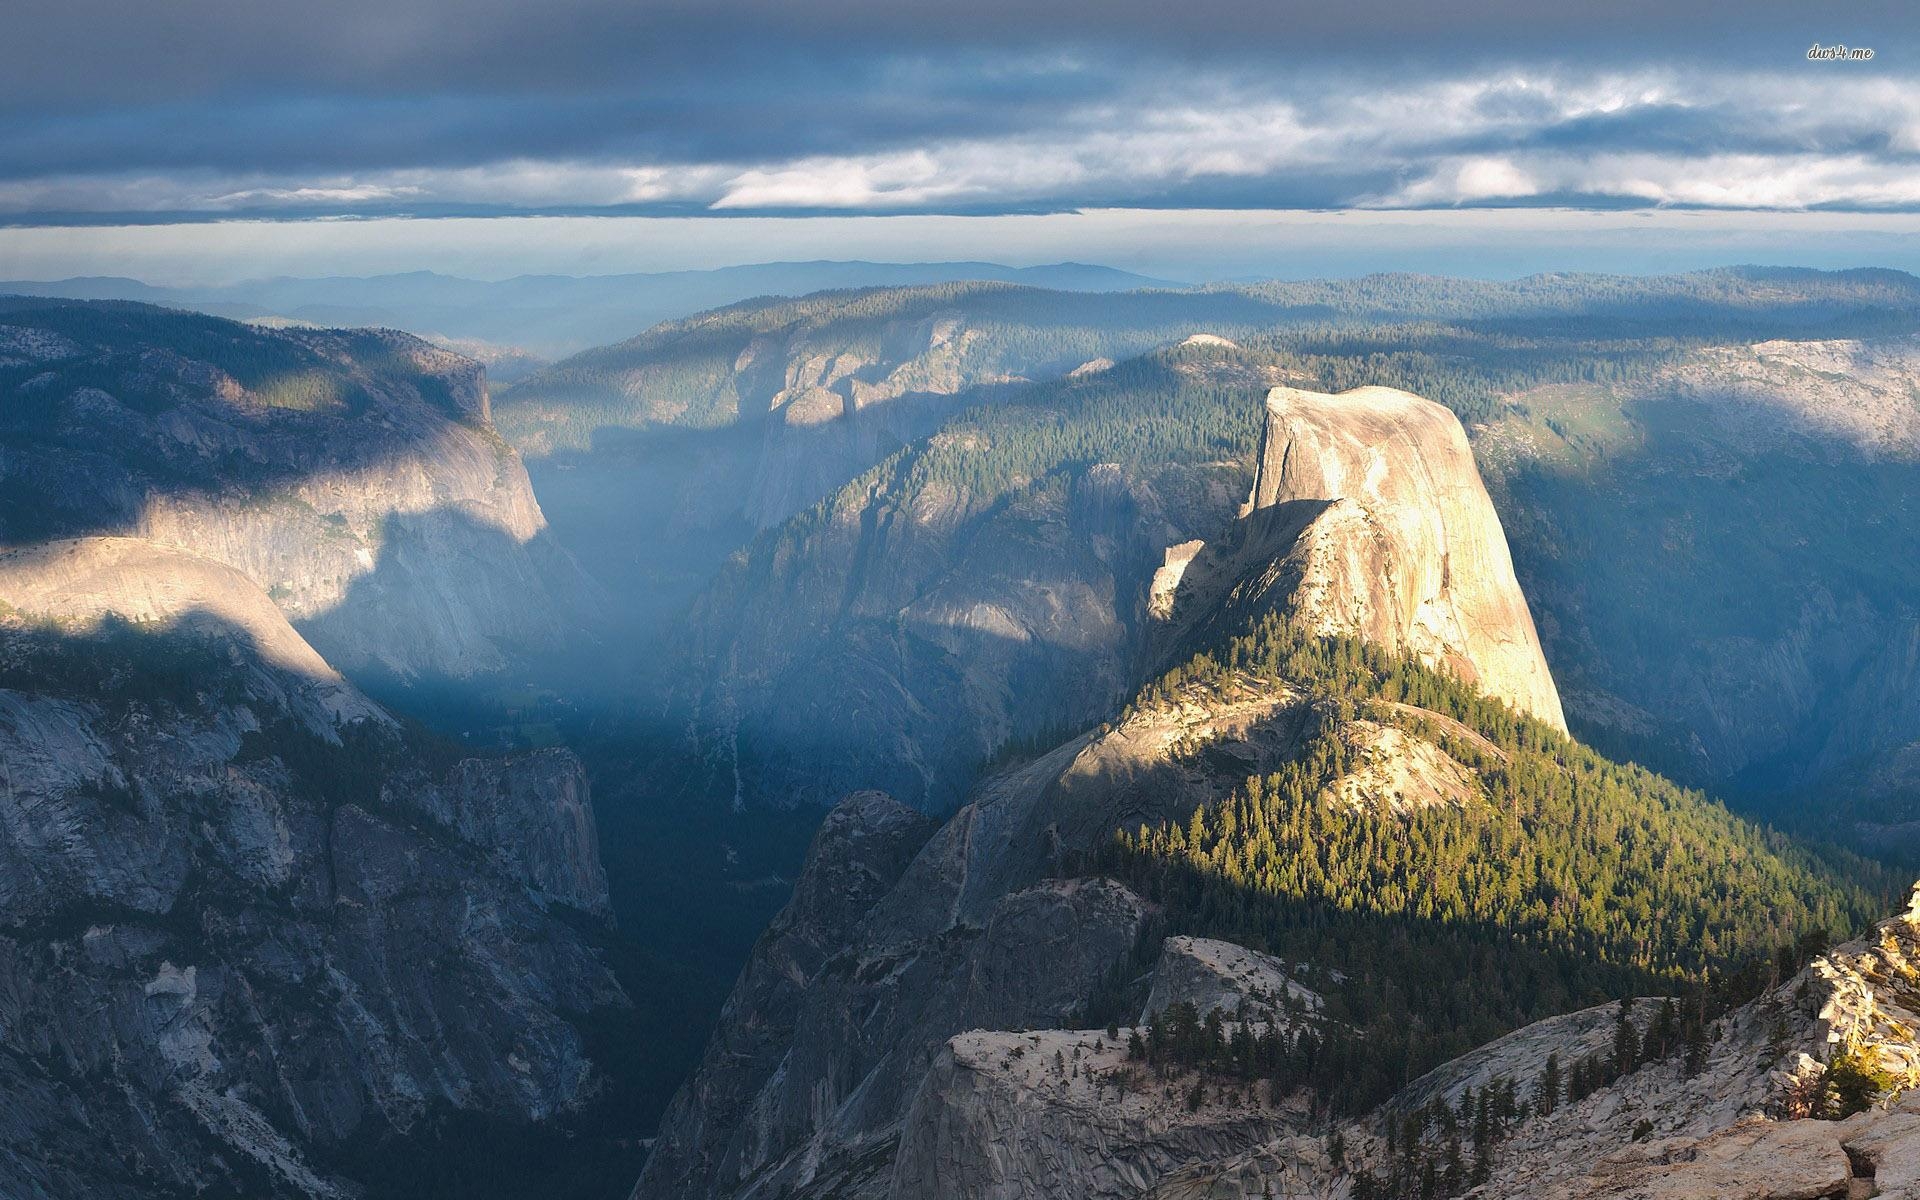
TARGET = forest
x,y
1571,881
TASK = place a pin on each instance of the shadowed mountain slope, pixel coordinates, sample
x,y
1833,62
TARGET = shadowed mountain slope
x,y
257,937
314,462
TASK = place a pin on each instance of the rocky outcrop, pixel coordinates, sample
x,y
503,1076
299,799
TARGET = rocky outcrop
x,y
1368,517
1031,1116
1739,1125
1238,983
249,937
354,476
1166,580
1799,1160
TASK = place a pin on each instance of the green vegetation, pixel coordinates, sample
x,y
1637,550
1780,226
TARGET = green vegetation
x,y
1575,880
1443,1148
1852,1082
1146,411
116,663
140,355
1177,1036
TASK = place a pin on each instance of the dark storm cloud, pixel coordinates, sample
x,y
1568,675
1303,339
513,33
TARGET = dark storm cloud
x,y
1680,129
802,109
139,49
432,106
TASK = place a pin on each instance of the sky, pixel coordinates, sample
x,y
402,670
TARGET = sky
x,y
736,130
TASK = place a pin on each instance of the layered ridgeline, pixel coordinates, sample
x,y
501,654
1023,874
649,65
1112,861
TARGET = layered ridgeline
x,y
813,360
354,476
809,360
659,455
711,429
1611,414
259,939
1373,865
502,320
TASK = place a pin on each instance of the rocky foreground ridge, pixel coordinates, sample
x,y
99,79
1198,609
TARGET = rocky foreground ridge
x,y
252,935
1016,1110
1748,1121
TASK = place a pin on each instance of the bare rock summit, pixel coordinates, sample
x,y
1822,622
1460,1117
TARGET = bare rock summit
x,y
1368,517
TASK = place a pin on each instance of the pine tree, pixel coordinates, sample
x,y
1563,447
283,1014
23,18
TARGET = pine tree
x,y
1626,1040
1547,1092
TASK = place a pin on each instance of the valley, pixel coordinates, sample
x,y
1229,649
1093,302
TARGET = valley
x,y
1173,742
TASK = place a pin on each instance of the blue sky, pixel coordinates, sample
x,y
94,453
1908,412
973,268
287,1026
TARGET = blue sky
x,y
128,112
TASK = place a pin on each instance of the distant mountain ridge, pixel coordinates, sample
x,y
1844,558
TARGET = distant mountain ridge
x,y
553,315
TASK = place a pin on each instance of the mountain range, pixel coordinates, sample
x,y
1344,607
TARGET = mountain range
x,y
513,323
840,477
966,739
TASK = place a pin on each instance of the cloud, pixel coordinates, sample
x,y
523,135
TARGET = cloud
x,y
198,108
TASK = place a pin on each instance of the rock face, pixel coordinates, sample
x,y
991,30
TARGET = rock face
x,y
81,582
354,476
859,854
1030,1116
1368,517
534,814
1630,503
1799,1160
840,1012
1217,976
902,635
248,934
